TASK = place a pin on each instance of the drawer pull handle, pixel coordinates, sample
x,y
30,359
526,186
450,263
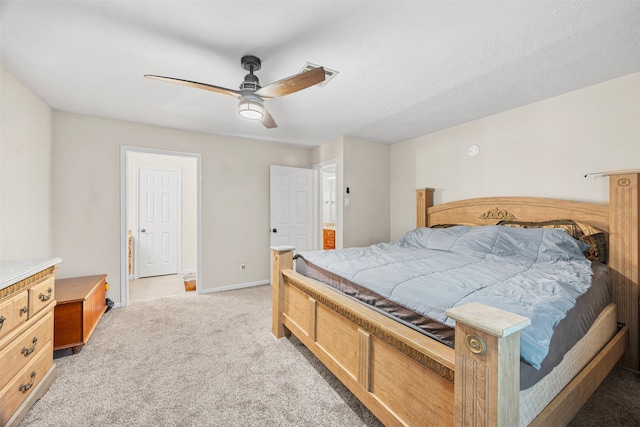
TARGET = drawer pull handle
x,y
44,297
27,351
2,319
24,309
25,387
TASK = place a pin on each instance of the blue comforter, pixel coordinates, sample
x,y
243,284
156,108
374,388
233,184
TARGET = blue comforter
x,y
538,273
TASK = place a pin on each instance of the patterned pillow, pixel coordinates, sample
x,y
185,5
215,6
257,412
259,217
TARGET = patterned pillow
x,y
596,239
468,224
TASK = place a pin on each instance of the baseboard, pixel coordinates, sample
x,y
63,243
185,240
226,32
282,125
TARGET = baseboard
x,y
233,287
220,289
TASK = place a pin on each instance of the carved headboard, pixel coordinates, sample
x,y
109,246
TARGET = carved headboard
x,y
490,210
619,218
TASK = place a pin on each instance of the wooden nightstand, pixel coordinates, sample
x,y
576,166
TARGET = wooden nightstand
x,y
81,303
329,239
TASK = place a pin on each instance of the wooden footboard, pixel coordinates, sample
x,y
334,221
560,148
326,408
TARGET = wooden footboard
x,y
402,376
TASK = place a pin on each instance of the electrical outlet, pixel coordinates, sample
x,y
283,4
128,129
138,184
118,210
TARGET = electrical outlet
x,y
243,266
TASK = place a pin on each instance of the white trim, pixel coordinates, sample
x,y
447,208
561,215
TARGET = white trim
x,y
329,162
234,287
318,191
124,270
124,277
316,210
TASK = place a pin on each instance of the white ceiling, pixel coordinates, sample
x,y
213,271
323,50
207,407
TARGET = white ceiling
x,y
405,68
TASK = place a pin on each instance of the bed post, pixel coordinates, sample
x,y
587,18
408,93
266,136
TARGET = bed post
x,y
424,200
487,381
624,254
281,259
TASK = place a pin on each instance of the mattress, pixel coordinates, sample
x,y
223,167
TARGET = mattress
x,y
534,399
566,334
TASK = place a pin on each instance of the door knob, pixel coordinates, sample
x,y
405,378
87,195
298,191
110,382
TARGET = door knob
x,y
275,230
143,230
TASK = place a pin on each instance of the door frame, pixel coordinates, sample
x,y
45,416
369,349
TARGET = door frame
x,y
318,194
124,177
136,225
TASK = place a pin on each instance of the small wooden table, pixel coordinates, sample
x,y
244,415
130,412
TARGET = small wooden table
x,y
81,302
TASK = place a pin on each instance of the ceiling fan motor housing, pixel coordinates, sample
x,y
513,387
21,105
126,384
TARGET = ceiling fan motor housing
x,y
251,82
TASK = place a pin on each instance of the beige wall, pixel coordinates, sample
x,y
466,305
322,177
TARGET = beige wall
x,y
363,166
333,150
71,209
235,197
402,200
366,173
541,149
188,205
25,151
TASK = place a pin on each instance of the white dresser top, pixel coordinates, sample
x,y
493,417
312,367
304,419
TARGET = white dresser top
x,y
12,271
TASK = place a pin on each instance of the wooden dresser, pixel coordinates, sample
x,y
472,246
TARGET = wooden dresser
x,y
81,301
27,300
328,238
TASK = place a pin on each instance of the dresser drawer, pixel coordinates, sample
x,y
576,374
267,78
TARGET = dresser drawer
x,y
41,295
25,348
19,388
329,239
14,311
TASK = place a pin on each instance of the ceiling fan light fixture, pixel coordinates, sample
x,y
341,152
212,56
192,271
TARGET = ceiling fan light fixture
x,y
251,108
251,95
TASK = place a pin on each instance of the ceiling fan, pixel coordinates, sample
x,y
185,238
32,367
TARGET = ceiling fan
x,y
251,94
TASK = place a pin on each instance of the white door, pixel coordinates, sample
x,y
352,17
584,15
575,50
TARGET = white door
x,y
291,207
158,222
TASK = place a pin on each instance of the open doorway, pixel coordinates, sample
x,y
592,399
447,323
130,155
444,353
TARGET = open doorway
x,y
328,205
160,223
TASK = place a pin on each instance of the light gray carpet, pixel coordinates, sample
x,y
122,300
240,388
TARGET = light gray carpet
x,y
211,360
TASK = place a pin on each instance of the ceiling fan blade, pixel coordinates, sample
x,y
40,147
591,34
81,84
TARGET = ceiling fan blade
x,y
292,84
267,120
212,88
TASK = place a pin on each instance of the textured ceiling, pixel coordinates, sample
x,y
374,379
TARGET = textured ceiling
x,y
405,68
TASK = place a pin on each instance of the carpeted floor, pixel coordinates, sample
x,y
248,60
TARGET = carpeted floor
x,y
211,360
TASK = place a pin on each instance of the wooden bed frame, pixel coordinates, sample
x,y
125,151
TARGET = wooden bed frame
x,y
408,379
